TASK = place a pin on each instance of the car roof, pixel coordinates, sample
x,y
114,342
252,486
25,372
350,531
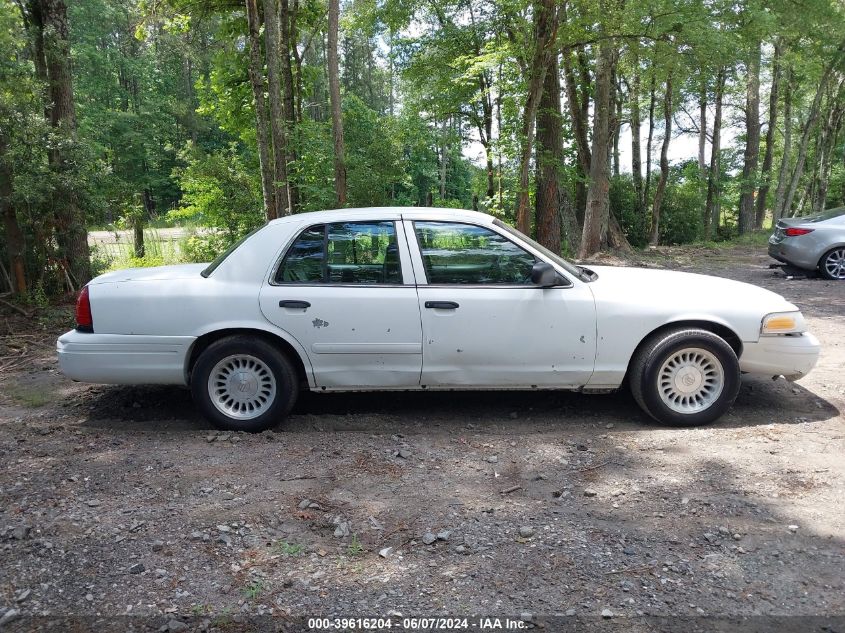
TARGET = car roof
x,y
370,213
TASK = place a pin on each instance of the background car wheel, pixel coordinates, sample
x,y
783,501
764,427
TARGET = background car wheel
x,y
685,377
242,383
832,264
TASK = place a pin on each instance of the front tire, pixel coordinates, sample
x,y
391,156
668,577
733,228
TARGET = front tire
x,y
242,383
685,377
832,264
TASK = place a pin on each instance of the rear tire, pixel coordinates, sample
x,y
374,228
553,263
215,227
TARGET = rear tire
x,y
832,264
685,377
242,383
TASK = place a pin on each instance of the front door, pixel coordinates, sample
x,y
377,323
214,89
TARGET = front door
x,y
485,324
345,291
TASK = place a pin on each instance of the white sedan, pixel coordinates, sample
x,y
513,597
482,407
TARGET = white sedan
x,y
408,299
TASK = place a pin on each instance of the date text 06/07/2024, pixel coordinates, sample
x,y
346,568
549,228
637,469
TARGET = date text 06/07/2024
x,y
417,624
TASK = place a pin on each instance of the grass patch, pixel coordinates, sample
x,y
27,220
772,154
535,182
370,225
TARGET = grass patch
x,y
254,589
355,548
32,397
284,548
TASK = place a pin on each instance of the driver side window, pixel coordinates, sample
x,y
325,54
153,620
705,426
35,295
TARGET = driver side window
x,y
455,253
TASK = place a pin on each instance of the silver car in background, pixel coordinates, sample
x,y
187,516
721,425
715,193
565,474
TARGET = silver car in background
x,y
814,242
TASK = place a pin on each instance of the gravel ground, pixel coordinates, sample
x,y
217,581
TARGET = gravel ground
x,y
552,509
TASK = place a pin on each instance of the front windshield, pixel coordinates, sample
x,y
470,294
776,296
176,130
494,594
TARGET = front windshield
x,y
557,259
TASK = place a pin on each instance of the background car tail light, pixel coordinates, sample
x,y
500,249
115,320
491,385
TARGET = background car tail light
x,y
84,319
793,232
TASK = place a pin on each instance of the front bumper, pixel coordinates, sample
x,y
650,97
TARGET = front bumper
x,y
789,356
123,359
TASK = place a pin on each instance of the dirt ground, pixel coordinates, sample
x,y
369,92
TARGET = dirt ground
x,y
552,509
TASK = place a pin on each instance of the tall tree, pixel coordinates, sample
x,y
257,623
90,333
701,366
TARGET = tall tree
x,y
545,31
334,96
752,140
786,157
277,114
712,208
553,204
597,215
809,126
664,162
262,127
768,157
71,234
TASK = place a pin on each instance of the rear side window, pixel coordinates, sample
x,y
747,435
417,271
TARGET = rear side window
x,y
465,254
343,253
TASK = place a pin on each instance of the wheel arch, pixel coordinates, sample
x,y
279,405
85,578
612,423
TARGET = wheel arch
x,y
714,327
289,348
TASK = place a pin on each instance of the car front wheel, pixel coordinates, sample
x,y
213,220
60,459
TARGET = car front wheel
x,y
685,377
242,383
832,265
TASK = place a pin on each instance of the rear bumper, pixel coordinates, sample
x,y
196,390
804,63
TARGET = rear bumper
x,y
123,359
790,252
790,356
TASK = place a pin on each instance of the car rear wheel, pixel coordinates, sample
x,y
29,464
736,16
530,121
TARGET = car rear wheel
x,y
242,383
685,377
832,264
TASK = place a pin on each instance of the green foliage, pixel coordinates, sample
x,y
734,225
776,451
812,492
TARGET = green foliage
x,y
219,190
355,548
623,204
286,549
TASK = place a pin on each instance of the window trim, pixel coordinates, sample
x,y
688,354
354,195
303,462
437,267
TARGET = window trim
x,y
329,284
492,229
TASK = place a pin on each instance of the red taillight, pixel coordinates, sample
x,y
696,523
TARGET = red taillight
x,y
796,232
84,320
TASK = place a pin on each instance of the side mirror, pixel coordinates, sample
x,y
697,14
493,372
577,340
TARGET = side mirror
x,y
544,275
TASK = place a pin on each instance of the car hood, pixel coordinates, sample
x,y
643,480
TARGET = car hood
x,y
156,273
679,292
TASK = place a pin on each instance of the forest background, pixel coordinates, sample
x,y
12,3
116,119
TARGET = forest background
x,y
560,117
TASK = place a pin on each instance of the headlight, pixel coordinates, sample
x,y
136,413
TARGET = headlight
x,y
783,323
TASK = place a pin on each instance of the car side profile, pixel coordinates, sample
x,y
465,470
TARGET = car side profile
x,y
425,299
815,242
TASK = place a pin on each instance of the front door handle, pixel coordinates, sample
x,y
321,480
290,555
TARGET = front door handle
x,y
293,303
442,305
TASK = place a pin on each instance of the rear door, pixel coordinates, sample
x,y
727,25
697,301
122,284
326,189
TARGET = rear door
x,y
345,291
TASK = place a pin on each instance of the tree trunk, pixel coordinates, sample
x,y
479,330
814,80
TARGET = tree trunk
x,y
334,97
651,105
711,207
617,125
553,205
444,157
768,157
286,18
277,113
830,132
636,151
783,172
262,132
664,163
71,234
12,231
545,30
702,129
597,213
808,129
752,142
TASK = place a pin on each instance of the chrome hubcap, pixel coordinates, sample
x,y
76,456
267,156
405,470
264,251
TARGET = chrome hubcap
x,y
834,264
690,380
242,386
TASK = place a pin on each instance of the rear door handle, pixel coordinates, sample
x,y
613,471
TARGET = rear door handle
x,y
442,305
293,303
